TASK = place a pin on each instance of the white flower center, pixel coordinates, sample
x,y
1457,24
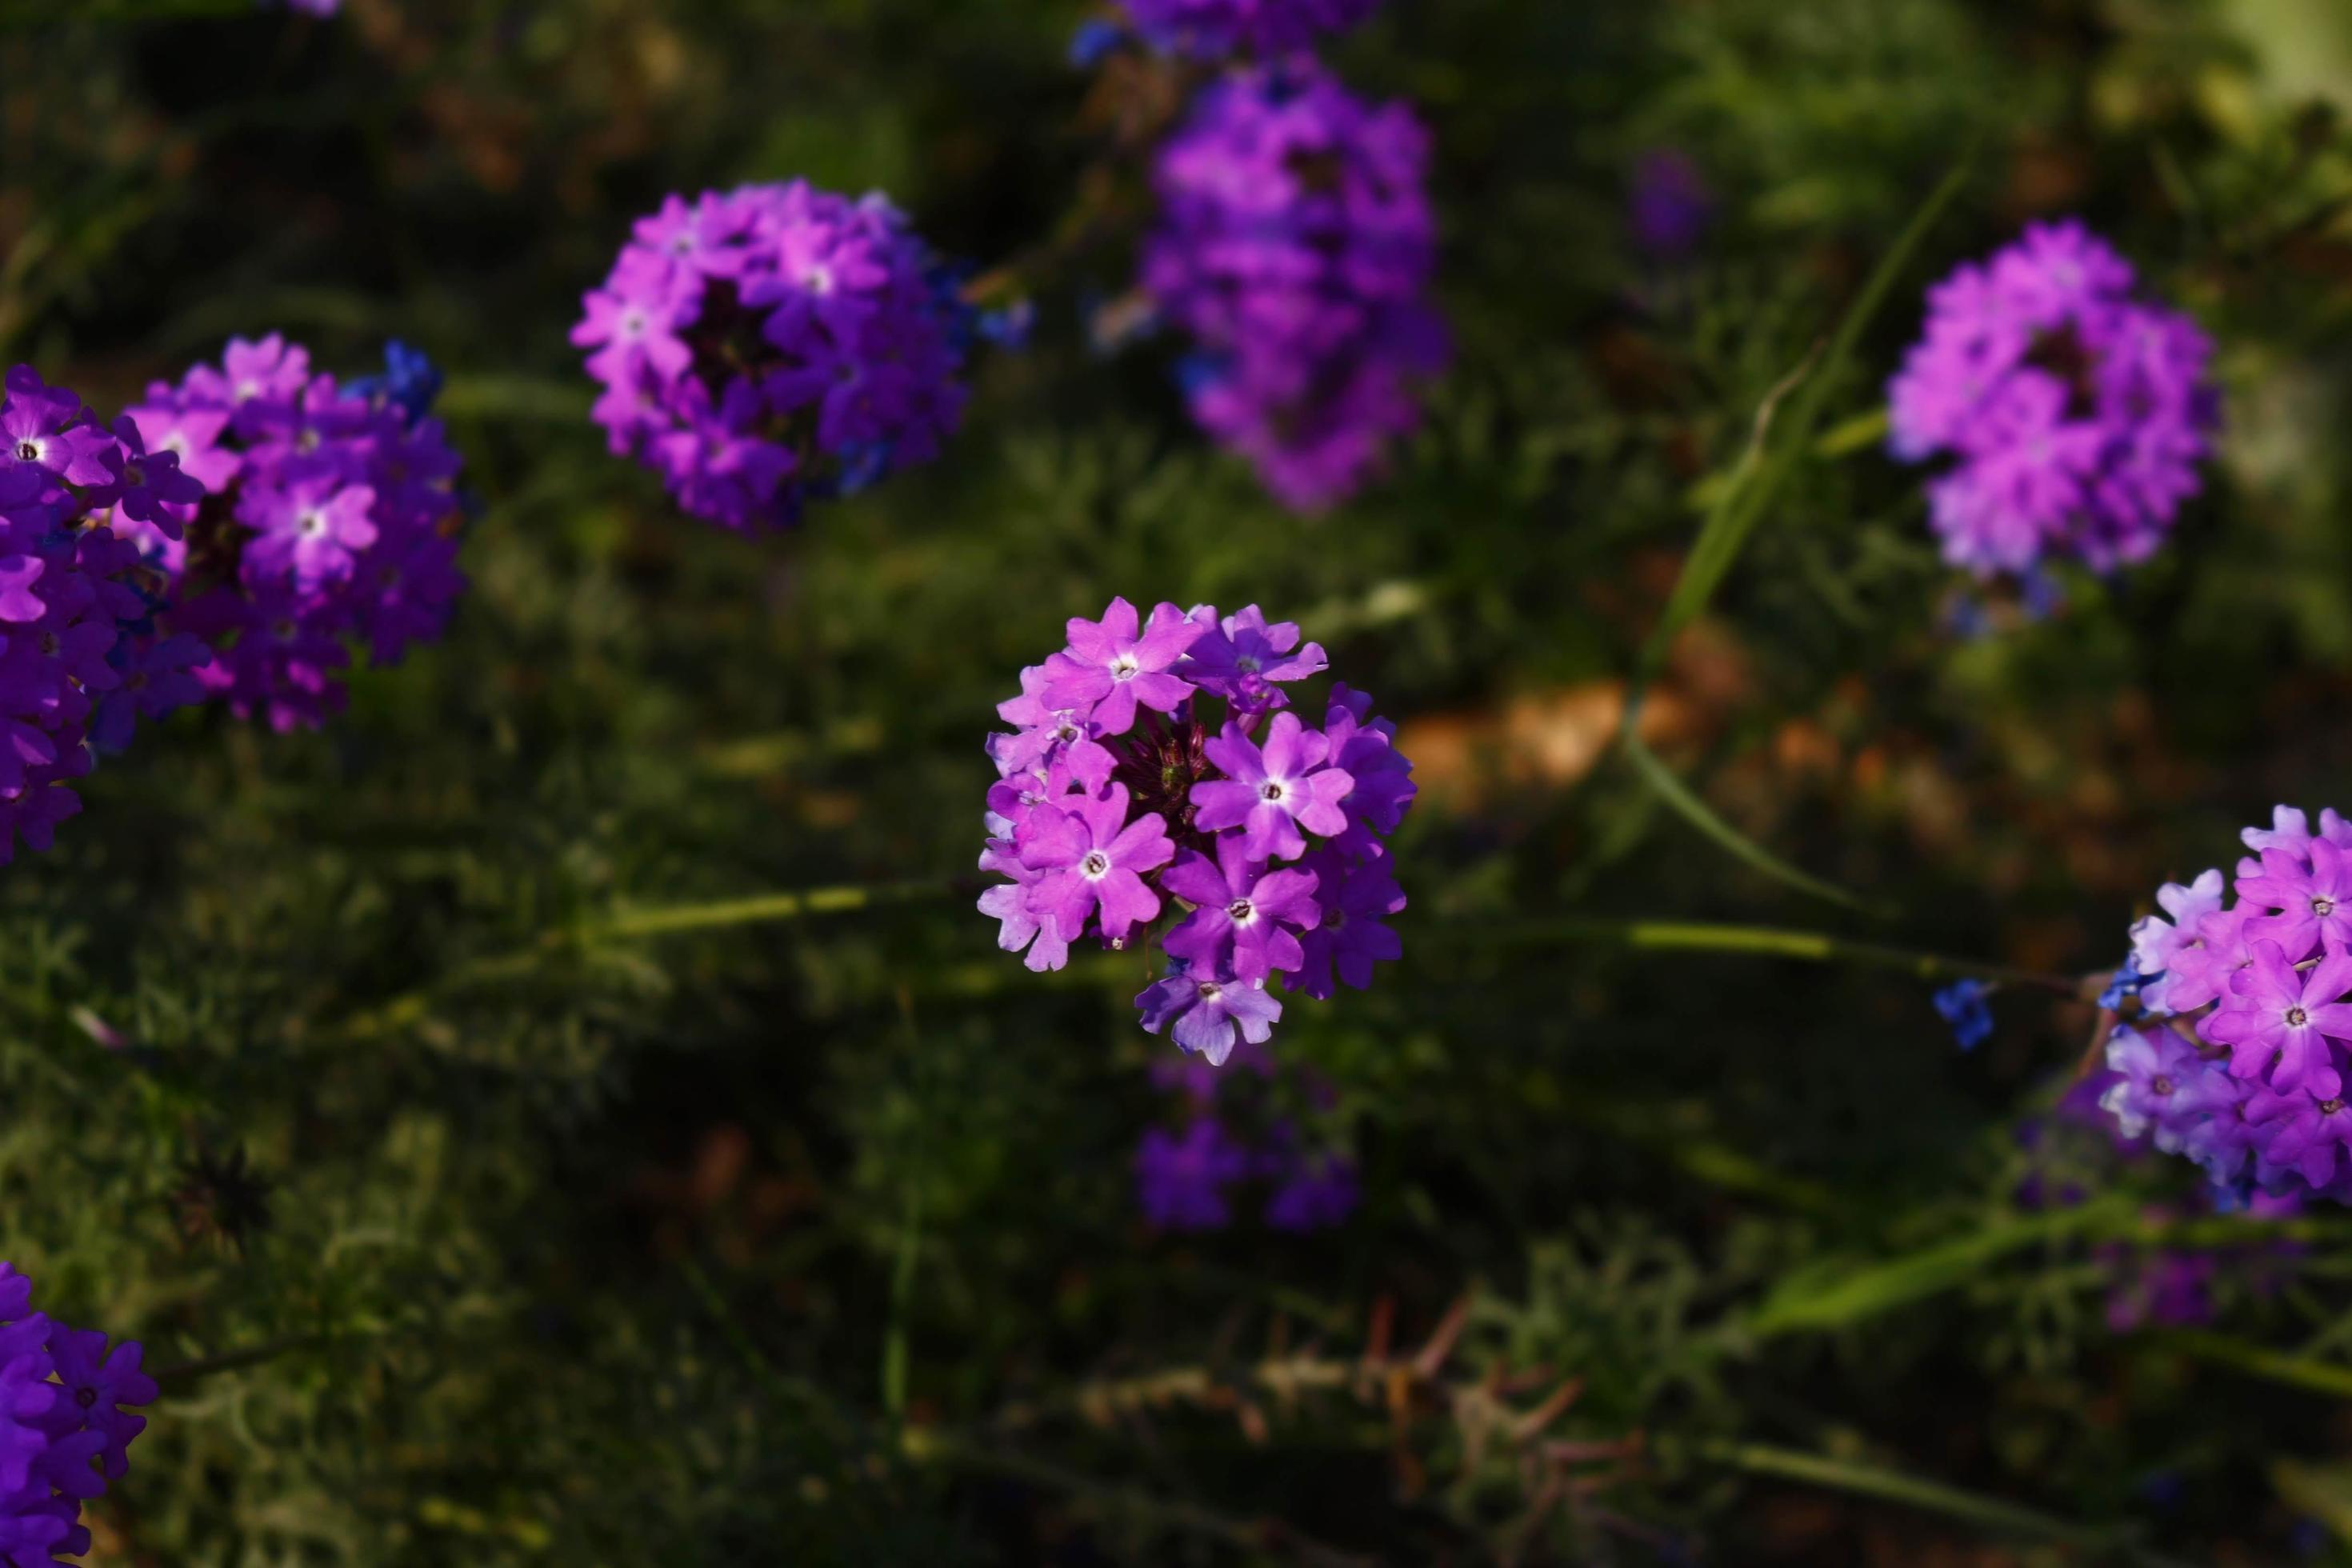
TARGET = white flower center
x,y
313,524
1210,991
1097,865
2297,1017
29,450
2323,906
1239,911
1272,789
1124,667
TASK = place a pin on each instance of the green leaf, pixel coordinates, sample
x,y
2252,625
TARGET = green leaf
x,y
1778,444
1836,1294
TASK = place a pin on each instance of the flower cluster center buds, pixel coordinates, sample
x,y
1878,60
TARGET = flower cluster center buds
x,y
1157,784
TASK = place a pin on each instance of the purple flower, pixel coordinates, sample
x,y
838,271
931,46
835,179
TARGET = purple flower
x,y
1206,1008
1245,916
314,528
63,1430
2277,1012
1357,897
1109,668
1089,859
1296,247
2165,1085
2310,896
1094,798
1209,30
99,1383
1240,658
1314,1190
73,598
2156,941
770,346
327,517
1273,792
1670,205
1182,1182
2075,414
2301,1132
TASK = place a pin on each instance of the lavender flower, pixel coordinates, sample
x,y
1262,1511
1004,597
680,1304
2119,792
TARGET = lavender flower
x,y
2243,1069
1157,762
63,1431
1296,247
2076,412
319,517
1211,29
775,343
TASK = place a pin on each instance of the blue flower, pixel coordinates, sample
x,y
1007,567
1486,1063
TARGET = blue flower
x,y
2126,984
1093,43
1964,1006
410,381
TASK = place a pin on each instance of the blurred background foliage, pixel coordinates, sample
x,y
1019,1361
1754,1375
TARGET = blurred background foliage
x,y
482,1231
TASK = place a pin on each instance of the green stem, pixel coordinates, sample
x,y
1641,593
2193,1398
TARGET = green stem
x,y
1894,1486
1768,942
2297,1371
232,1360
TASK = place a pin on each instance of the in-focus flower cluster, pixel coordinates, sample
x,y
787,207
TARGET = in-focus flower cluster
x,y
1185,1180
1212,30
2239,1057
1158,773
76,606
2076,412
64,1433
322,518
769,346
1296,247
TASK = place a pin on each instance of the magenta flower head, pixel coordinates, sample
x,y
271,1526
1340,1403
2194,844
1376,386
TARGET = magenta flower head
x,y
75,597
318,517
1296,247
2075,413
63,1431
1211,29
768,346
1157,775
2245,1072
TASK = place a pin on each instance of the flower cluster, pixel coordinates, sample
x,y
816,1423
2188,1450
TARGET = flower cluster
x,y
1296,247
2076,412
1184,1181
73,598
1671,205
1209,30
322,517
2238,1059
1156,763
776,343
63,1431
